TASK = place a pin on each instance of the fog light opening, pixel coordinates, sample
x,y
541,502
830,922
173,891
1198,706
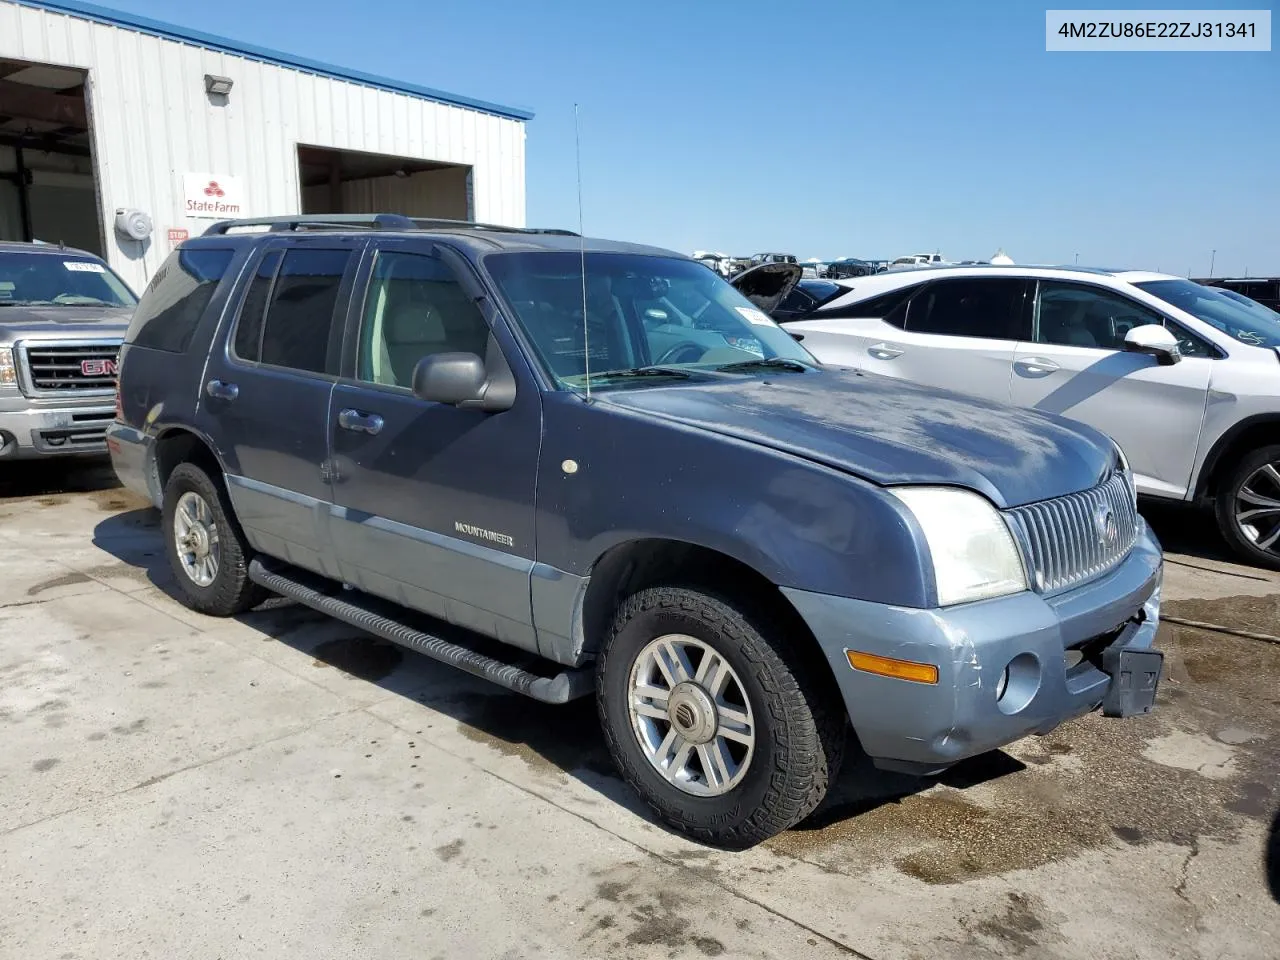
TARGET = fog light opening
x,y
1019,683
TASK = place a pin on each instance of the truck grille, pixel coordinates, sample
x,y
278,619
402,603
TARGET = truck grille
x,y
60,368
1075,538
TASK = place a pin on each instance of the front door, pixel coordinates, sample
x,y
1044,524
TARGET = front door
x,y
1075,364
264,398
435,504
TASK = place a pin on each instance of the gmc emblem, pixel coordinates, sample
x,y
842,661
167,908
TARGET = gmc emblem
x,y
98,368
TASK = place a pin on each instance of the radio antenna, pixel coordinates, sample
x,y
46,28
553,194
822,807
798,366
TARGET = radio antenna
x,y
582,255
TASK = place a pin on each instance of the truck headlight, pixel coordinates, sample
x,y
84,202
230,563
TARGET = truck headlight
x,y
8,372
1123,461
974,556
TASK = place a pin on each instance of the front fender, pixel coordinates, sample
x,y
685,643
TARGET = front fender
x,y
609,476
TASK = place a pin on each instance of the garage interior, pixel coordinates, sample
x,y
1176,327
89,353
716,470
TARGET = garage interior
x,y
47,184
348,181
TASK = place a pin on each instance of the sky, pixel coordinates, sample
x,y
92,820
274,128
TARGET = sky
x,y
837,129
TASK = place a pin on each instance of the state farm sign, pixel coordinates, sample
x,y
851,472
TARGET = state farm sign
x,y
213,195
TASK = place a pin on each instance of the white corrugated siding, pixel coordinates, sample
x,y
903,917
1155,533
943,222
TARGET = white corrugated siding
x,y
152,122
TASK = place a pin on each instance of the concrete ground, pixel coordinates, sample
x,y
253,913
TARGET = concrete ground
x,y
281,786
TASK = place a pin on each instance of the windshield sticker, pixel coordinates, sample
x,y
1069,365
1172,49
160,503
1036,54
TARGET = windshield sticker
x,y
752,315
83,266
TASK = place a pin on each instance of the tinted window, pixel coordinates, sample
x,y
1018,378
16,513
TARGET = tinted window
x,y
979,307
887,306
248,339
414,308
176,298
299,319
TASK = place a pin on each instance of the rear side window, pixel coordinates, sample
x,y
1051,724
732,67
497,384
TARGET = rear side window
x,y
889,307
177,297
296,328
981,307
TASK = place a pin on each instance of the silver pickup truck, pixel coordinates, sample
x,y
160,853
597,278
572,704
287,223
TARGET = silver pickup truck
x,y
63,315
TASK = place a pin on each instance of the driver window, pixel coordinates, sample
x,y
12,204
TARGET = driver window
x,y
414,308
1078,315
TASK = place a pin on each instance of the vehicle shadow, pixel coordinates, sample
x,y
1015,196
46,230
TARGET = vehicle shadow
x,y
554,740
1186,529
34,478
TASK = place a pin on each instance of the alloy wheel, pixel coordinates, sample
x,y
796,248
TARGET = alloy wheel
x,y
1258,508
195,533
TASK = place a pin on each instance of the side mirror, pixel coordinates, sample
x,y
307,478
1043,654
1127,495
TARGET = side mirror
x,y
463,380
1154,340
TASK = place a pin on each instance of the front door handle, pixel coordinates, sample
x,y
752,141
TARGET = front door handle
x,y
369,423
1037,365
882,351
221,390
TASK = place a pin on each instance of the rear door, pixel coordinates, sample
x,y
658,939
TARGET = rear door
x,y
435,504
1075,364
264,398
957,333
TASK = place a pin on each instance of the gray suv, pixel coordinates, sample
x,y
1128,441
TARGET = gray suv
x,y
63,314
608,459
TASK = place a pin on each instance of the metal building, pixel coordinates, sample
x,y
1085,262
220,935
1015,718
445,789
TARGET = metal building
x,y
113,126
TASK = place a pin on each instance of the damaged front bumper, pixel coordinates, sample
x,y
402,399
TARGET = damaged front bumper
x,y
1007,667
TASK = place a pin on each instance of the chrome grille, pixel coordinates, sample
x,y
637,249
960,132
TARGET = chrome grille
x,y
1070,539
59,368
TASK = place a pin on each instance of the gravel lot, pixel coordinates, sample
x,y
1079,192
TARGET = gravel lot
x,y
281,786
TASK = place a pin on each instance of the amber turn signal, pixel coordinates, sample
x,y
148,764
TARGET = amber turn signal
x,y
889,667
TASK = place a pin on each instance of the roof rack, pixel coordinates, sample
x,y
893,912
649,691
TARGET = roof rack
x,y
369,221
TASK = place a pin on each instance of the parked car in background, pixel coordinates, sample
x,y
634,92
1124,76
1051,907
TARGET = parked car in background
x,y
849,268
759,258
1185,378
915,261
721,263
649,493
1265,290
63,314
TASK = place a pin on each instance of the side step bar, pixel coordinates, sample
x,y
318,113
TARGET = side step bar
x,y
371,614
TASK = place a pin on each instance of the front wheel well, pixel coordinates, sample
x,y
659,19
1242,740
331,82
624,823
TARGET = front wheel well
x,y
1231,447
634,566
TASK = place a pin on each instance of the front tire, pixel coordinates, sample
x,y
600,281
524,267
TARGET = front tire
x,y
207,549
1248,507
722,727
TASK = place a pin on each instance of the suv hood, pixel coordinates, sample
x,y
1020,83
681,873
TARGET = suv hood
x,y
891,432
62,323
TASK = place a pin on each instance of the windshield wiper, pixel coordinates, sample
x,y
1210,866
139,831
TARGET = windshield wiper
x,y
644,372
768,363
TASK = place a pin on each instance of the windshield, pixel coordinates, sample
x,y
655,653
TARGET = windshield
x,y
642,312
67,281
1250,323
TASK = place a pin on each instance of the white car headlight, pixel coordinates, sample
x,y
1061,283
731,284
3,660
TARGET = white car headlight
x,y
8,373
974,556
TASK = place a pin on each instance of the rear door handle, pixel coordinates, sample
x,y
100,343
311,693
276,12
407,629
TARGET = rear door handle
x,y
221,390
1036,365
369,423
882,351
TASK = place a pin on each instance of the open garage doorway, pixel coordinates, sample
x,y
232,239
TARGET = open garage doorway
x,y
347,181
47,184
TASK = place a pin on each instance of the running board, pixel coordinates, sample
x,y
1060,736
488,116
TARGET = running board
x,y
377,617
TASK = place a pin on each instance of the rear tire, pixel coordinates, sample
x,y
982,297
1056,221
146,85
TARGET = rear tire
x,y
207,549
758,688
1250,525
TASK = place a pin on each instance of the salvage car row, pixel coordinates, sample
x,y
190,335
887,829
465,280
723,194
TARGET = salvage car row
x,y
652,486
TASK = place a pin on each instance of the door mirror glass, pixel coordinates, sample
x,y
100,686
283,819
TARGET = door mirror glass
x,y
1154,340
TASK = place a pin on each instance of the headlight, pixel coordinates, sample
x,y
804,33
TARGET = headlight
x,y
1128,474
974,556
8,373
